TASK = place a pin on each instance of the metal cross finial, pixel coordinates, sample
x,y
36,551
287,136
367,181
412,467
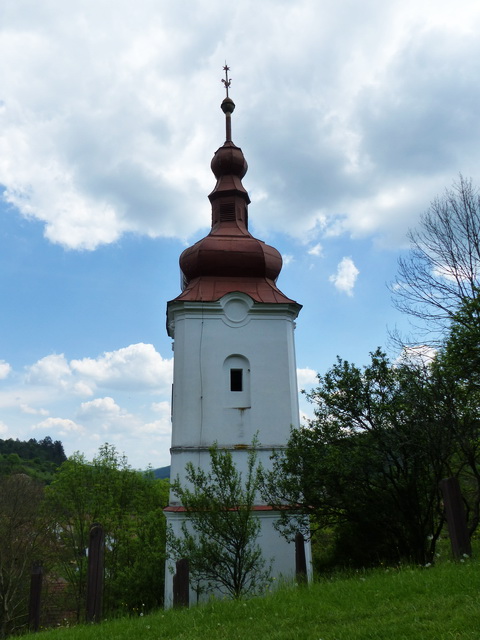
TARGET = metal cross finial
x,y
226,81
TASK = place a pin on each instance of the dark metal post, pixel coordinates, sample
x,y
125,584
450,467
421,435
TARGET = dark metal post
x,y
456,519
300,558
36,578
96,549
181,584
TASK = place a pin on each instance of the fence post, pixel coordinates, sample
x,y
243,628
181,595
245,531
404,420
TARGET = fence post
x,y
181,584
456,519
96,549
36,578
300,558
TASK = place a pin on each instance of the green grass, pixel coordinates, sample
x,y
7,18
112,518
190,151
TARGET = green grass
x,y
435,603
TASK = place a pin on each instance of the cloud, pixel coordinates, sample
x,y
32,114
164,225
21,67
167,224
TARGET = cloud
x,y
104,415
108,420
420,355
346,276
305,417
52,370
51,388
307,378
83,389
99,147
3,428
159,428
450,273
25,408
105,407
61,426
138,366
161,407
316,250
108,132
5,369
162,426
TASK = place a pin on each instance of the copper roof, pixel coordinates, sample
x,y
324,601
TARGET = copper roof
x,y
229,258
211,288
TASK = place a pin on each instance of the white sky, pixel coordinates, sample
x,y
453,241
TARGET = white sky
x,y
352,116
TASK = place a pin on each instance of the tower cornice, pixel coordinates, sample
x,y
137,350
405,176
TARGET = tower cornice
x,y
235,309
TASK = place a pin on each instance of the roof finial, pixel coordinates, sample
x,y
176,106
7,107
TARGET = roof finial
x,y
226,81
228,104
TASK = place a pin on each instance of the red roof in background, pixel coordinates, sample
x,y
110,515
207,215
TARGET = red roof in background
x,y
257,507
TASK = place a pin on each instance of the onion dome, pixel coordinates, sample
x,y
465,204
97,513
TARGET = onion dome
x,y
229,258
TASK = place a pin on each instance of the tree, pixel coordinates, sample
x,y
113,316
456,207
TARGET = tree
x,y
442,270
367,467
458,363
36,459
24,536
438,284
461,350
219,539
129,504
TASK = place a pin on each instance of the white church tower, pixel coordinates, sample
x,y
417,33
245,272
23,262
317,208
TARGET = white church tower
x,y
234,354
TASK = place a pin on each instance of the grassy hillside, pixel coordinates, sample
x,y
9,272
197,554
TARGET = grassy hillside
x,y
434,603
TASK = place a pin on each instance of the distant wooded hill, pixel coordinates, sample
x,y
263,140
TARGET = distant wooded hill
x,y
163,472
46,449
36,458
41,458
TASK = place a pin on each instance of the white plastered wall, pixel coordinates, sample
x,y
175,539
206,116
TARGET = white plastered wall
x,y
210,339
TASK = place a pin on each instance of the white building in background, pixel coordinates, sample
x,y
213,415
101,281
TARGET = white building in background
x,y
234,354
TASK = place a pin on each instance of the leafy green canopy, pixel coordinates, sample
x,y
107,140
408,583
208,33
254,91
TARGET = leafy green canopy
x,y
129,505
24,539
38,459
219,539
458,363
367,467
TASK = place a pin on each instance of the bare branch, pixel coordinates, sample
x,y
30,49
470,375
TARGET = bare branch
x,y
442,270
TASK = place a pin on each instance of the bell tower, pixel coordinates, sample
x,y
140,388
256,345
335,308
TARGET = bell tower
x,y
234,354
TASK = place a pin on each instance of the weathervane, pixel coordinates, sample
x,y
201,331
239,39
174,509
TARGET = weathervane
x,y
228,104
226,81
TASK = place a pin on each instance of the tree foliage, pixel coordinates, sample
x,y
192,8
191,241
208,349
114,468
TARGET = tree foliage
x,y
38,459
45,449
442,270
24,536
219,539
129,504
368,465
461,350
458,364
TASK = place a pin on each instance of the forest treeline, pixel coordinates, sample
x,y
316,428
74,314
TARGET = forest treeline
x,y
36,458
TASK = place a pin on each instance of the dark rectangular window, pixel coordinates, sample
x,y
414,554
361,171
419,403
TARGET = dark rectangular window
x,y
236,379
